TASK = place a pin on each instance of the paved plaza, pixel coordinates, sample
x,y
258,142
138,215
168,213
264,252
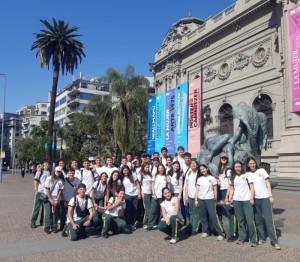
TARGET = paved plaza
x,y
18,242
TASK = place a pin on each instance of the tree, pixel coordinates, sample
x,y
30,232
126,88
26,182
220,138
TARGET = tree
x,y
56,45
130,104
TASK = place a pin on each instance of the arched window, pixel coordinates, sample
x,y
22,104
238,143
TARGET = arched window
x,y
226,119
263,103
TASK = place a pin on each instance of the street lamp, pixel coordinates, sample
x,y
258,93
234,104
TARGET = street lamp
x,y
2,126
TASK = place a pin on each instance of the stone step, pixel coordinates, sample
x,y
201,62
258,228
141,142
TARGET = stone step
x,y
291,184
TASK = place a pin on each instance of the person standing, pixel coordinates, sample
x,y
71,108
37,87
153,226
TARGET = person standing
x,y
263,199
39,186
23,172
109,168
172,219
242,196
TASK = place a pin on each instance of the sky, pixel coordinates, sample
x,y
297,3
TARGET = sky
x,y
115,33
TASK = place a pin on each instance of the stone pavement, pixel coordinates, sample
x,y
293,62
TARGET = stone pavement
x,y
18,242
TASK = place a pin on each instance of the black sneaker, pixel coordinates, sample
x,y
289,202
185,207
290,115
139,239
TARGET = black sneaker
x,y
231,239
47,231
55,230
64,233
33,225
167,238
104,235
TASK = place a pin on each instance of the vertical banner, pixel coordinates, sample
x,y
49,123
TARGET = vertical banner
x,y
194,122
181,115
160,122
170,122
294,42
151,124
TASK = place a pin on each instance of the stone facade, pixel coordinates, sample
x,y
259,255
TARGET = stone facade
x,y
241,55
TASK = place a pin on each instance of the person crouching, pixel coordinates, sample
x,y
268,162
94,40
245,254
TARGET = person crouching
x,y
80,214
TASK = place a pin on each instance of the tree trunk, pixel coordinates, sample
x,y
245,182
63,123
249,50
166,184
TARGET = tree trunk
x,y
51,112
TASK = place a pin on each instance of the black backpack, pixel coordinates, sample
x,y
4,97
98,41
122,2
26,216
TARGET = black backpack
x,y
78,210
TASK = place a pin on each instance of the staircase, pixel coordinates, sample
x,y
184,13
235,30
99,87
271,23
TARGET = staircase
x,y
286,183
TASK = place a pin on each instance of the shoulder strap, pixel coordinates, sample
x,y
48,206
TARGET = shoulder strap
x,y
41,176
70,183
226,171
93,175
81,172
86,202
186,172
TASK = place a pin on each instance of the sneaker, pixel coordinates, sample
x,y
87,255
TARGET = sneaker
x,y
33,225
167,238
47,231
145,226
131,227
253,244
231,239
204,235
220,238
173,241
137,224
154,227
104,235
55,230
277,247
110,233
64,233
126,230
260,242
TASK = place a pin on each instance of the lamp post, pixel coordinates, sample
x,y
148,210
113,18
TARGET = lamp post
x,y
2,126
55,128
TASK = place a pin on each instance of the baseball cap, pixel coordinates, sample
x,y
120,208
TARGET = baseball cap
x,y
58,168
223,155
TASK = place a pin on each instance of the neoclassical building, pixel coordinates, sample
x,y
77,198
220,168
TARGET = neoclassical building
x,y
242,55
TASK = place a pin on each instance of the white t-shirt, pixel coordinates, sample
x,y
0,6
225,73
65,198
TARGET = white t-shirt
x,y
41,179
100,189
206,184
191,183
115,211
100,170
88,178
55,185
81,202
146,183
241,187
164,161
224,179
159,183
259,182
70,191
180,160
130,188
174,183
109,170
153,170
170,208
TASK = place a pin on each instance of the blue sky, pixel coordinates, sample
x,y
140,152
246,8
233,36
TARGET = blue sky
x,y
114,33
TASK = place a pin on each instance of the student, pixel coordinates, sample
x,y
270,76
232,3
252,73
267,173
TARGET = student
x,y
172,219
205,199
62,164
109,168
159,181
113,216
87,177
145,179
180,156
154,166
175,178
242,196
80,214
164,154
168,164
97,196
224,176
70,186
132,195
189,196
114,181
98,168
53,188
39,186
74,165
155,154
263,199
129,159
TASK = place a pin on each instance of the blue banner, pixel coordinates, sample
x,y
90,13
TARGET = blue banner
x,y
151,124
181,115
160,122
170,122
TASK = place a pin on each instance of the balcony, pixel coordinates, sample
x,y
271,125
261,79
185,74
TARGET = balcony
x,y
73,101
71,112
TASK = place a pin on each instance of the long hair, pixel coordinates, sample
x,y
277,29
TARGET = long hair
x,y
233,172
114,183
142,170
162,192
129,173
163,168
170,172
220,168
248,160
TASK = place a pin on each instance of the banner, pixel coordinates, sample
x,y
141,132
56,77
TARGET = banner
x,y
170,122
194,122
294,43
151,124
160,122
181,115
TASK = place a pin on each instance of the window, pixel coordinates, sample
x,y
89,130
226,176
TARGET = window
x,y
226,119
263,103
85,96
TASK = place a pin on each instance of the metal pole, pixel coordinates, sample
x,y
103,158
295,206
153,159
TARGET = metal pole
x,y
2,127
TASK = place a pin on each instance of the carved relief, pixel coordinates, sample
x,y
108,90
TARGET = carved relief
x,y
224,71
260,57
240,62
209,74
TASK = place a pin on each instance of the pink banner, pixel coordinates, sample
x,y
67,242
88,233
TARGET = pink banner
x,y
294,40
194,124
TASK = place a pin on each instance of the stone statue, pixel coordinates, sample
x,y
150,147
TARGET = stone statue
x,y
248,140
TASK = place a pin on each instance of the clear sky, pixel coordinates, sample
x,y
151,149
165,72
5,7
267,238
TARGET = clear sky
x,y
114,33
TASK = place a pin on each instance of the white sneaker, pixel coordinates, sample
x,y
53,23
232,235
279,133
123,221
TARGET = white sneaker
x,y
145,226
154,227
220,238
204,235
277,247
173,241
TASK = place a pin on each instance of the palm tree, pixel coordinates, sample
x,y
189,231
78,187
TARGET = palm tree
x,y
129,100
56,45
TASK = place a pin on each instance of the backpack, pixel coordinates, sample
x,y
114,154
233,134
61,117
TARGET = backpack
x,y
226,172
40,176
78,210
93,175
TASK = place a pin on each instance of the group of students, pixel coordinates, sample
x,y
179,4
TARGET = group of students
x,y
156,192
